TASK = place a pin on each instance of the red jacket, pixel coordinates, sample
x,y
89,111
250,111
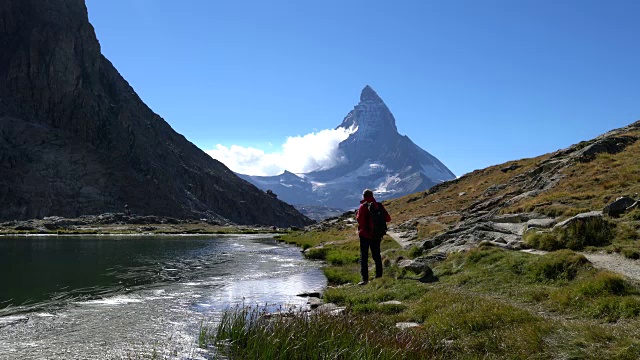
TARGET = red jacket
x,y
365,227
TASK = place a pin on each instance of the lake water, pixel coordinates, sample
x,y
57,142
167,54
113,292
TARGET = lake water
x,y
108,297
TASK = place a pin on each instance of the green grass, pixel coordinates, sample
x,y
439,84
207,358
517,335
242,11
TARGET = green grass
x,y
560,282
488,303
575,236
560,265
245,333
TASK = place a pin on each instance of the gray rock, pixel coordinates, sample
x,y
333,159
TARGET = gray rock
x,y
330,309
501,240
540,224
420,265
515,218
609,145
510,168
391,302
406,325
415,266
24,228
315,294
619,207
314,302
580,217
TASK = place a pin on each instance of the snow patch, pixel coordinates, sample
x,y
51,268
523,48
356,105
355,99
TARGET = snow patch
x,y
389,181
317,185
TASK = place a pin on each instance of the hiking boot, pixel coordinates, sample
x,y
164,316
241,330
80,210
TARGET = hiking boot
x,y
363,282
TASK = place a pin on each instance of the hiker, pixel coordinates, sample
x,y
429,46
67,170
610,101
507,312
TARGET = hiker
x,y
372,225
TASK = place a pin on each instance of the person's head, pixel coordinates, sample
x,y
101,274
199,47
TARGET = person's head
x,y
367,193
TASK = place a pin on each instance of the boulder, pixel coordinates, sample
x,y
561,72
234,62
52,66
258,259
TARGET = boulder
x,y
51,226
510,168
314,302
609,145
25,228
540,224
620,206
417,266
315,294
420,266
330,309
580,217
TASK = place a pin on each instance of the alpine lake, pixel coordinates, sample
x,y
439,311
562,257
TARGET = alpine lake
x,y
129,297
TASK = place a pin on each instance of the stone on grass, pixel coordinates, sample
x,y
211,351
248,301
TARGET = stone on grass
x,y
406,325
391,302
619,207
540,224
314,302
417,266
580,217
330,309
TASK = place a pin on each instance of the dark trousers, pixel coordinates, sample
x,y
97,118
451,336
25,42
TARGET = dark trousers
x,y
374,244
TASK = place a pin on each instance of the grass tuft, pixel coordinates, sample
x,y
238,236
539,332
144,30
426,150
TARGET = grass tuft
x,y
575,236
558,265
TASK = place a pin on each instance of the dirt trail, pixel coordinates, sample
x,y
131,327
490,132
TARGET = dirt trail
x,y
616,263
612,262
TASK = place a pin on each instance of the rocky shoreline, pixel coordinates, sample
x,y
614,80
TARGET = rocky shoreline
x,y
127,224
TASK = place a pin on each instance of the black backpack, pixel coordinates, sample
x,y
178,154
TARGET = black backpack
x,y
378,219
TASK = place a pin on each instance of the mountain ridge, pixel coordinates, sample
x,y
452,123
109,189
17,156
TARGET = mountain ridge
x,y
76,139
376,156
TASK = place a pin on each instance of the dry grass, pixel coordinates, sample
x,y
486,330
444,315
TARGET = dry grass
x,y
594,184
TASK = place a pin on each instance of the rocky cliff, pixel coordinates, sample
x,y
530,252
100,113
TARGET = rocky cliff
x,y
76,139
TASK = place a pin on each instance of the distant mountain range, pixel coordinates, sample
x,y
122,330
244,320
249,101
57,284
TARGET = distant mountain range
x,y
374,156
75,138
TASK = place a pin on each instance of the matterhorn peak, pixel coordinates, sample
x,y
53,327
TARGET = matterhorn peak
x,y
369,94
373,156
370,117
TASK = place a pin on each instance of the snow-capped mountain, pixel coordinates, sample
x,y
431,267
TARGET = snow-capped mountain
x,y
374,156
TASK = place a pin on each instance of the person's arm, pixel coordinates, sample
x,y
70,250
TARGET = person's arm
x,y
387,217
360,217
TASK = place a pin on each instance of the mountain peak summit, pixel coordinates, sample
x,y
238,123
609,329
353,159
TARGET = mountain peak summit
x,y
373,156
369,94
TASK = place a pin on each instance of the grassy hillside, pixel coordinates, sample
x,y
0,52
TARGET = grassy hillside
x,y
483,301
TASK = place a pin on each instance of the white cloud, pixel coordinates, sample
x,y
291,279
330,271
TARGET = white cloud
x,y
298,154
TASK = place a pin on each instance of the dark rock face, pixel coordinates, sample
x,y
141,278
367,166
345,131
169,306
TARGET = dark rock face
x,y
374,156
620,206
76,139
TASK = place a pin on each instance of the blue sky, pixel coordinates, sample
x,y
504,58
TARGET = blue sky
x,y
475,83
